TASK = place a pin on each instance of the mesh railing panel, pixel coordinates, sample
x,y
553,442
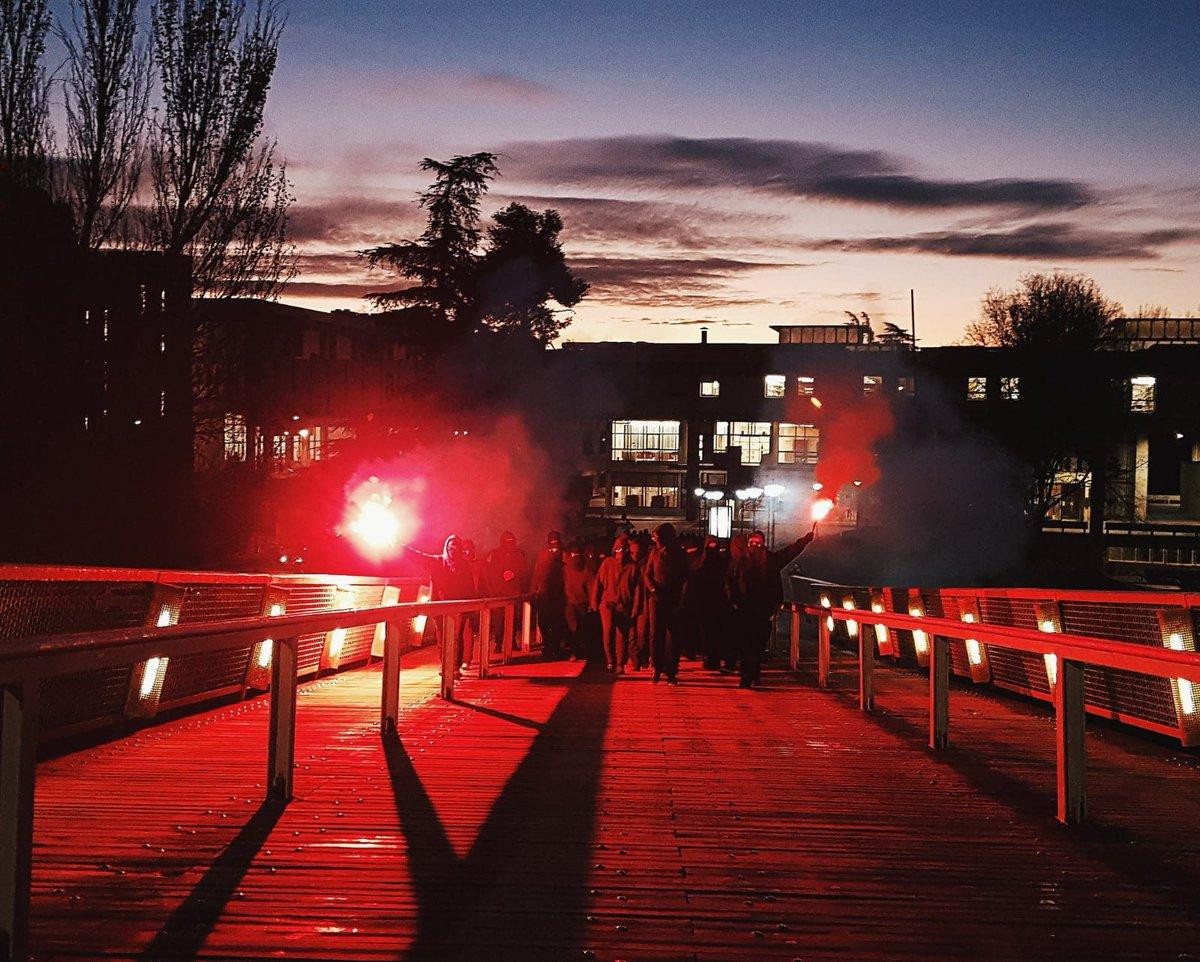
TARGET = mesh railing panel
x,y
1016,670
303,599
209,671
208,602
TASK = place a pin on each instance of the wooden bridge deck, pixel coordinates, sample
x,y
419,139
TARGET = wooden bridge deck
x,y
553,815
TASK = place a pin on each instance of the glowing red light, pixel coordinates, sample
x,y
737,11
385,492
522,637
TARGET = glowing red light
x,y
379,522
821,508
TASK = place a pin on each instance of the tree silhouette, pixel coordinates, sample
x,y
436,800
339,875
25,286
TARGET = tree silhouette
x,y
443,260
107,96
1047,310
25,134
522,270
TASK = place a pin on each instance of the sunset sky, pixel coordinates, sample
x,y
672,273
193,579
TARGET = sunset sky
x,y
746,164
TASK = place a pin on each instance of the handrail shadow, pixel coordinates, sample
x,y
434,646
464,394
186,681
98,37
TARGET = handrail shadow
x,y
553,790
184,932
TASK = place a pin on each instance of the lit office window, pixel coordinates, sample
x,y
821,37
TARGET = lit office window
x,y
774,385
872,384
235,437
798,443
1141,394
807,385
1010,388
753,437
710,388
658,492
906,385
977,389
645,440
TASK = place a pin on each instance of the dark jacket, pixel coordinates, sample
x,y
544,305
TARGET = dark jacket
x,y
754,586
618,586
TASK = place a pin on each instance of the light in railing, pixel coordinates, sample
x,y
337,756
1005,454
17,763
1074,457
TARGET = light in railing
x,y
974,650
149,677
276,610
1051,660
418,623
164,617
265,650
851,625
337,640
881,632
825,602
1187,691
920,638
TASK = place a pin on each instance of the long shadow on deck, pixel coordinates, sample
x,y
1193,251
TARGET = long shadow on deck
x,y
1124,851
183,934
542,826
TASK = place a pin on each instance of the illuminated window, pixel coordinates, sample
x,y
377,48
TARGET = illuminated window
x,y
1141,394
798,443
658,492
774,385
977,389
710,388
645,440
906,385
872,384
235,437
1010,388
807,385
753,437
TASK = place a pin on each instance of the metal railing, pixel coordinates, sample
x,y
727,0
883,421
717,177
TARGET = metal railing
x,y
1066,656
26,664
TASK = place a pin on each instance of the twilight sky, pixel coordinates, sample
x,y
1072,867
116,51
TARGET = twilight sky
x,y
744,164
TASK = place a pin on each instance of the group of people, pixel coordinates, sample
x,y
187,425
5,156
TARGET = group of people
x,y
650,600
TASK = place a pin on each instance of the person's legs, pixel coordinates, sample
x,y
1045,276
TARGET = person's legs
x,y
621,640
754,639
672,641
608,632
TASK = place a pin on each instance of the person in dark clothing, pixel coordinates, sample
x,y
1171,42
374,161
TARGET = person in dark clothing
x,y
616,595
639,626
755,592
704,597
550,595
504,574
451,578
666,571
689,616
577,597
729,645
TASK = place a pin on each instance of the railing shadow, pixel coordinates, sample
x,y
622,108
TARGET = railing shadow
x,y
187,928
1121,849
542,825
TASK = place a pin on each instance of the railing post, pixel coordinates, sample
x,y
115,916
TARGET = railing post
x,y
1070,725
389,701
449,662
281,749
866,669
18,761
526,626
794,640
510,617
939,692
485,641
823,650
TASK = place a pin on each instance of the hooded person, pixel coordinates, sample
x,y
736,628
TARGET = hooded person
x,y
577,598
755,590
704,598
506,570
666,572
451,578
550,595
616,595
639,628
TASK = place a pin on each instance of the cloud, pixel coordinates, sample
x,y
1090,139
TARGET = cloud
x,y
693,282
353,221
1033,241
509,88
787,168
495,87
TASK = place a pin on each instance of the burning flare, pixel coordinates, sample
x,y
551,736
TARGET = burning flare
x,y
377,520
821,508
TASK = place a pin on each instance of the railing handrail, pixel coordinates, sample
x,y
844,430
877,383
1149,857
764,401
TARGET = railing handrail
x,y
1099,652
34,572
45,656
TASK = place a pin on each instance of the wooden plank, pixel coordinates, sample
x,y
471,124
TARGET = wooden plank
x,y
548,816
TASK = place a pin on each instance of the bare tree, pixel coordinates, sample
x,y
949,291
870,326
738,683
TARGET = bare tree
x,y
219,194
25,135
108,93
1047,310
